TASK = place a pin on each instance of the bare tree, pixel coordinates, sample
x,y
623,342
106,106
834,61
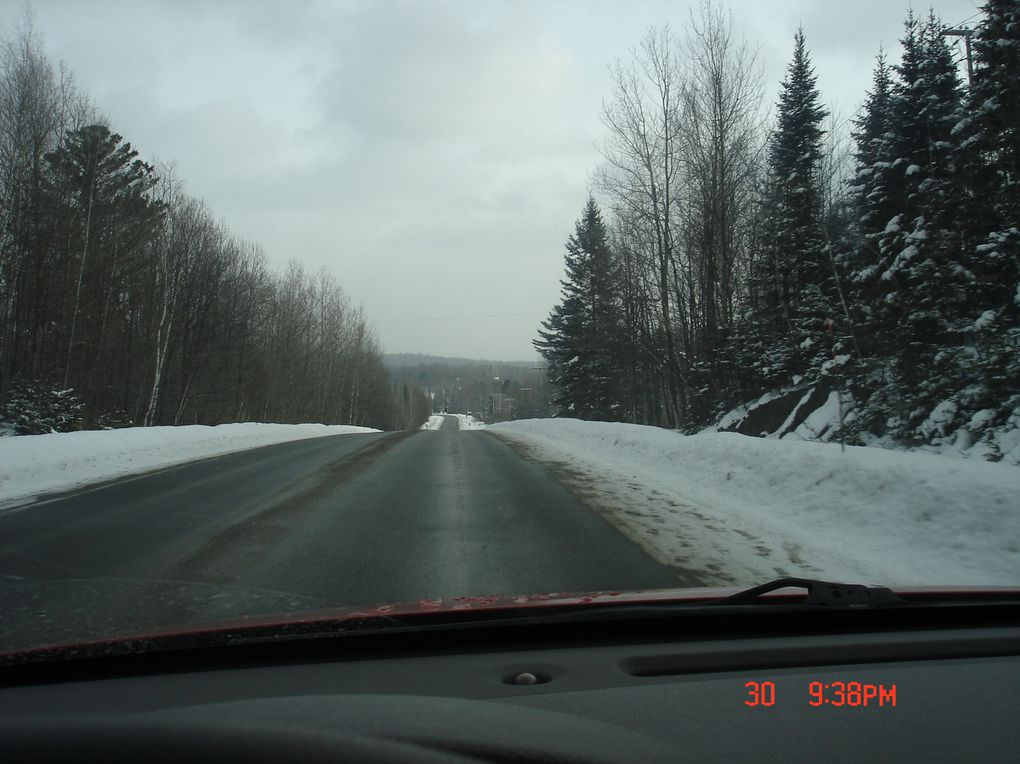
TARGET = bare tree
x,y
724,126
642,178
686,124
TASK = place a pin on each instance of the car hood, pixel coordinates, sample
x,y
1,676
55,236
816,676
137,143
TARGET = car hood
x,y
296,617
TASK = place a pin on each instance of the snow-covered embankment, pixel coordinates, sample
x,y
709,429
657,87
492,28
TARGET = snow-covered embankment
x,y
34,464
744,509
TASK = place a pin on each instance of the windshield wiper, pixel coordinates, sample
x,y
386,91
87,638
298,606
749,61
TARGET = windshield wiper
x,y
821,594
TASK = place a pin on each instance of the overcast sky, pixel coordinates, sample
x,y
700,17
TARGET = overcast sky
x,y
433,155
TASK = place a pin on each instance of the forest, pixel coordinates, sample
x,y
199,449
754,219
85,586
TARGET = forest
x,y
124,301
492,391
731,251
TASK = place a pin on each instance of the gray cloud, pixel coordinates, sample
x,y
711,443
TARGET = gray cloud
x,y
433,155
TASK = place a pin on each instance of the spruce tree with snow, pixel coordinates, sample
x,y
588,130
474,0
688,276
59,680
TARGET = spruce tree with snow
x,y
871,137
875,206
926,104
917,280
581,341
988,152
792,273
990,132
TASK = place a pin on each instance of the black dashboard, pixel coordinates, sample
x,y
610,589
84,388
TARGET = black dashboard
x,y
899,694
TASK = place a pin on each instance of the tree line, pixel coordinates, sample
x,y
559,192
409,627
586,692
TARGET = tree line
x,y
124,301
735,255
490,390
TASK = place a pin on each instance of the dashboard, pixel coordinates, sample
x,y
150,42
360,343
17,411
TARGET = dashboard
x,y
941,694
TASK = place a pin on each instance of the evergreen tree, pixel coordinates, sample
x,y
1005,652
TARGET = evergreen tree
x,y
99,200
580,341
871,138
874,200
926,104
921,292
791,275
989,149
991,130
988,154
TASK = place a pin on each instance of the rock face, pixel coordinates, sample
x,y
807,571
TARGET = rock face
x,y
779,415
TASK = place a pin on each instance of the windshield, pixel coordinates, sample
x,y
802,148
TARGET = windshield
x,y
344,307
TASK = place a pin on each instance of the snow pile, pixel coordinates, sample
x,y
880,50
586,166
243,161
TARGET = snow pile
x,y
741,509
468,422
464,422
35,464
817,416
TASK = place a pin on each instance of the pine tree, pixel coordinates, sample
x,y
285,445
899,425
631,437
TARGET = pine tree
x,y
991,130
98,197
871,137
580,340
874,199
988,155
791,275
989,149
875,207
906,272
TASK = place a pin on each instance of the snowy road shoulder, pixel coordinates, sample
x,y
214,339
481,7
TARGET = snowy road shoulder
x,y
464,422
31,465
740,509
468,422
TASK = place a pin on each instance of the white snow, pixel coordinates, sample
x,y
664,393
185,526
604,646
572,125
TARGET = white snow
x,y
468,422
35,464
835,362
985,320
796,409
819,421
893,225
939,419
465,422
737,415
740,510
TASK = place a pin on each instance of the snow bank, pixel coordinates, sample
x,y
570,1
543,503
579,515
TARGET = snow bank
x,y
948,434
468,422
35,464
741,509
435,422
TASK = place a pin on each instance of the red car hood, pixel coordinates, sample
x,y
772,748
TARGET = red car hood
x,y
335,617
560,599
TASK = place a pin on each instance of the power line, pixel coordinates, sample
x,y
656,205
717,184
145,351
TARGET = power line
x,y
961,23
964,58
457,318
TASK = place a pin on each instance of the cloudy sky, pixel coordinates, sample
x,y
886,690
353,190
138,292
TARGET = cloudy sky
x,y
433,155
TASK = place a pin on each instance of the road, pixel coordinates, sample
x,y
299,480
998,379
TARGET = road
x,y
348,519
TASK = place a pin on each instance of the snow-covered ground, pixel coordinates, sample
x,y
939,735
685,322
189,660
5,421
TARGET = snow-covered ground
x,y
743,509
465,421
823,422
468,422
36,464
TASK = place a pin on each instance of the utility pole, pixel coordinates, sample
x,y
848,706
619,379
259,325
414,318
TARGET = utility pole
x,y
965,34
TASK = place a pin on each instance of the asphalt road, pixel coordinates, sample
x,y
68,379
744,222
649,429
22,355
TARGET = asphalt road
x,y
349,519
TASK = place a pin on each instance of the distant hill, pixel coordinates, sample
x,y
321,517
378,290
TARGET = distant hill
x,y
490,390
403,360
